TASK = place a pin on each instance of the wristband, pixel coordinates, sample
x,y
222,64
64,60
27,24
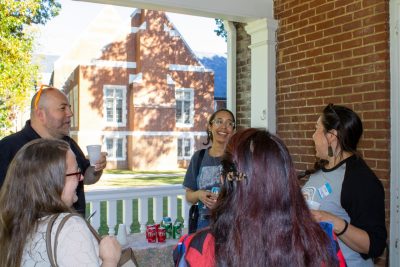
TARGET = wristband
x,y
346,224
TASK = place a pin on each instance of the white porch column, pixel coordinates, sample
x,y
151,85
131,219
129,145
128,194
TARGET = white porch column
x,y
263,87
231,67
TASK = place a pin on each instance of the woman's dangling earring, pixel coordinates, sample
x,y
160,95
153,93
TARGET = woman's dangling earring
x,y
330,151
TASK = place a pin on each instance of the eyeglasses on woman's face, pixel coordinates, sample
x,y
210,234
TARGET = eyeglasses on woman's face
x,y
77,174
227,123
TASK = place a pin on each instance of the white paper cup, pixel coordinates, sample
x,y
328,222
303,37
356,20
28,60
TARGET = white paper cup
x,y
121,235
313,205
94,152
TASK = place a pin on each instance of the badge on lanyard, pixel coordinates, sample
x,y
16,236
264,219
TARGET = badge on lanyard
x,y
325,190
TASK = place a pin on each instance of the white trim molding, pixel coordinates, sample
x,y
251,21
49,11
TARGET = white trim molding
x,y
394,13
177,67
232,10
263,87
136,78
112,64
170,81
142,27
98,134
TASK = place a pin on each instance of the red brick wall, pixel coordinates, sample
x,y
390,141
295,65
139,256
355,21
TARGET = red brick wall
x,y
243,76
334,52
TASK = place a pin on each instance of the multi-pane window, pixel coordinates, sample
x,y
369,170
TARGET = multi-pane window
x,y
184,106
115,105
184,148
115,148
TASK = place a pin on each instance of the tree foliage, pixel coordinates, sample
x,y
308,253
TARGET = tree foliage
x,y
220,31
17,72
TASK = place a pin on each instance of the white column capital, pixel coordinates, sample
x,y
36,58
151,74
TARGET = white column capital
x,y
263,87
261,25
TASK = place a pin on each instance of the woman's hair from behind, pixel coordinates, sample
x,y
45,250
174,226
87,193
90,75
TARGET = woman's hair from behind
x,y
32,189
211,120
261,218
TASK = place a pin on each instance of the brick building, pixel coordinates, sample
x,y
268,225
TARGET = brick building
x,y
145,96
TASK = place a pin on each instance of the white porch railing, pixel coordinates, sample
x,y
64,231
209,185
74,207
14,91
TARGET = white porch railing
x,y
142,194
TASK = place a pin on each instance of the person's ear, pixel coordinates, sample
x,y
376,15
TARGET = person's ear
x,y
331,135
40,114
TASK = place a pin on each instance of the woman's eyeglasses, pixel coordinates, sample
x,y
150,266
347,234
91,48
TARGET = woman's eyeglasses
x,y
78,174
227,123
39,93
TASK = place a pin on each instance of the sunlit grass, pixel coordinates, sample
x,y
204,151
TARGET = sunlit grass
x,y
138,181
143,172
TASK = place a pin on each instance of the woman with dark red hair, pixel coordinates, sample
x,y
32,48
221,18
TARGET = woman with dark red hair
x,y
261,217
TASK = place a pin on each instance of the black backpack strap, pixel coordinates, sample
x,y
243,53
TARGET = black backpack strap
x,y
198,162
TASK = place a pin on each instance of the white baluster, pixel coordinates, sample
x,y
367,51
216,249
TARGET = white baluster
x,y
127,213
95,220
143,208
185,212
172,207
127,194
111,216
157,209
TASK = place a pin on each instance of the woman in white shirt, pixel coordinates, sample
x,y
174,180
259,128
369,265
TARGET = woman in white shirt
x,y
41,181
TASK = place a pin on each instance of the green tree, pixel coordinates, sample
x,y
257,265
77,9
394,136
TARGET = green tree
x,y
17,72
220,31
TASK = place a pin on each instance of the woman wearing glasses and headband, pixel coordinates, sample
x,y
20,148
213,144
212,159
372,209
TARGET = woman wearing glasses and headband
x,y
41,181
260,218
203,173
349,193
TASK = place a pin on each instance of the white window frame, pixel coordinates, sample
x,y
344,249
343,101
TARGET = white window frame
x,y
73,101
183,138
113,157
191,91
124,110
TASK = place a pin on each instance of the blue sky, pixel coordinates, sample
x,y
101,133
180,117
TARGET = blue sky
x,y
61,32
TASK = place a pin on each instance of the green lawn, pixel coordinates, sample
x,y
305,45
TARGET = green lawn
x,y
138,179
144,172
155,179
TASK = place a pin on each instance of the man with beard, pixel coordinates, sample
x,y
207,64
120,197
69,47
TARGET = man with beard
x,y
51,118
